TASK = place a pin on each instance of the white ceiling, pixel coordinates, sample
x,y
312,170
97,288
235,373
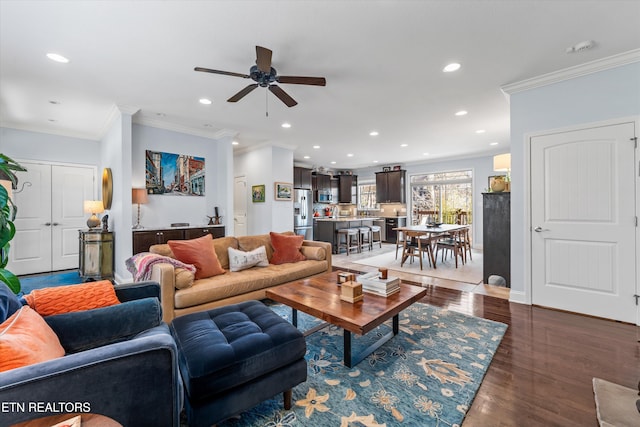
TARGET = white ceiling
x,y
382,60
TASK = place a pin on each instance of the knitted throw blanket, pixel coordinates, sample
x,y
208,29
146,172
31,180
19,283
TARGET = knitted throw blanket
x,y
140,265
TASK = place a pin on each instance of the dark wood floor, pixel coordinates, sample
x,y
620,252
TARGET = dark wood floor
x,y
541,374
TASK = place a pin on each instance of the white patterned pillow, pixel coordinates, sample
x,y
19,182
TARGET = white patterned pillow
x,y
240,260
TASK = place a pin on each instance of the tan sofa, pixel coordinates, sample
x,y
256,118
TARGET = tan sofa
x,y
232,287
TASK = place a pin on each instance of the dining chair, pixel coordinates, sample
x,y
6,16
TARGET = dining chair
x,y
451,243
414,245
400,239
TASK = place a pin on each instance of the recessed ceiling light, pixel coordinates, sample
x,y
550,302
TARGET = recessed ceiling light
x,y
461,113
58,58
316,147
480,131
349,155
333,163
375,161
286,125
454,66
204,101
494,143
374,133
306,157
425,154
404,145
235,143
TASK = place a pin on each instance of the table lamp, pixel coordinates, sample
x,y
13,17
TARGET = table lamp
x,y
502,163
139,197
93,207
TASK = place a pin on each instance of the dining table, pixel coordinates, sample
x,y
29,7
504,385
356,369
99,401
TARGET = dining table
x,y
431,230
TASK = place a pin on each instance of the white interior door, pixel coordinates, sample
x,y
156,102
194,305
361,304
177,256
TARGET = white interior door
x,y
240,197
583,214
71,186
50,213
31,247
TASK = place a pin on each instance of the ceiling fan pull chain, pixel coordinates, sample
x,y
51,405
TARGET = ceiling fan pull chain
x,y
266,102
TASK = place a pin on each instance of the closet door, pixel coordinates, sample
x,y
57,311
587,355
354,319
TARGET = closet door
x,y
30,250
50,213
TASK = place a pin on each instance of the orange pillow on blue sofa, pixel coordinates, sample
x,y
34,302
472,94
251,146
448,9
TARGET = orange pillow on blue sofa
x,y
70,298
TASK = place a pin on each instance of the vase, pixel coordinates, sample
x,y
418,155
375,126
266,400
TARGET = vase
x,y
498,185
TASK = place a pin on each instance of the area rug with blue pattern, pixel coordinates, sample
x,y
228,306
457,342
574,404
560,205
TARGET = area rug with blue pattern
x,y
427,375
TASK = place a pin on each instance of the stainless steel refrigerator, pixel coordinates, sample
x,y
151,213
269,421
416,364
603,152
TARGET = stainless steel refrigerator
x,y
303,213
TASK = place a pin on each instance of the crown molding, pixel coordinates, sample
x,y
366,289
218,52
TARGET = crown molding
x,y
573,72
51,131
258,146
212,133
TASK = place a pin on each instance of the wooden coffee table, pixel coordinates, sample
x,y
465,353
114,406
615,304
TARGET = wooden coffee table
x,y
319,296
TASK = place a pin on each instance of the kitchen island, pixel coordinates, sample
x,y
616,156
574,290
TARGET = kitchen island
x,y
324,228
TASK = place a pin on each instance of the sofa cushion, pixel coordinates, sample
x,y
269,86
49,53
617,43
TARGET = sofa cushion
x,y
199,252
249,243
221,246
71,298
25,339
242,282
241,260
162,249
314,252
231,345
286,248
9,302
88,329
184,278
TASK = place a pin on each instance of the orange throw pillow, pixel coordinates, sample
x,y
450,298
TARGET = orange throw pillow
x,y
199,252
25,339
286,248
70,298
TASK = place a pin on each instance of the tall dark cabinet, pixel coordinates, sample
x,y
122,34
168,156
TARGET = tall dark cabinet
x,y
496,236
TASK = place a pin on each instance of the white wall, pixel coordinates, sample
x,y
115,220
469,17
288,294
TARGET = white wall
x,y
609,94
27,145
162,210
266,165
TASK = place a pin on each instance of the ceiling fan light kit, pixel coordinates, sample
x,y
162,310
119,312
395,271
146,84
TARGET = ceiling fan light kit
x,y
264,75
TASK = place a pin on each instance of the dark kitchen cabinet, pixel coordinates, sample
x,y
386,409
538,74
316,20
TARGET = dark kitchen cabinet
x,y
347,188
301,178
390,225
321,186
144,239
390,186
496,236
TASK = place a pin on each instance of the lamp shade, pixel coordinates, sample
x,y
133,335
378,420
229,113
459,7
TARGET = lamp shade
x,y
93,206
502,162
139,196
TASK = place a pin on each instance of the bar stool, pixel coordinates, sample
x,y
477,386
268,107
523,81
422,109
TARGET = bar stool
x,y
376,229
351,239
364,237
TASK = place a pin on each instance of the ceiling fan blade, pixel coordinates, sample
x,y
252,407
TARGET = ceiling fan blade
x,y
263,59
225,73
282,95
238,96
296,80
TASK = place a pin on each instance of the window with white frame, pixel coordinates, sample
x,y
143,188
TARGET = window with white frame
x,y
444,194
367,195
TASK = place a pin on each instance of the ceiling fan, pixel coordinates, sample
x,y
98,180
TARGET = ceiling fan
x,y
265,76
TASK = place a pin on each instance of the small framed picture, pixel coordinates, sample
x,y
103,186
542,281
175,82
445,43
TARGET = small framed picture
x,y
386,169
397,168
257,193
283,191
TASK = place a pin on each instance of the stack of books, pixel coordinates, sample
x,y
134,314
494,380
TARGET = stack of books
x,y
373,284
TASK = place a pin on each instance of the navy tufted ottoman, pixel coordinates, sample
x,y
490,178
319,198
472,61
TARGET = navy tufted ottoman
x,y
234,357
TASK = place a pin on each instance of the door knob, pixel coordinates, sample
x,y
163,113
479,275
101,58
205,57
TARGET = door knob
x,y
47,224
56,223
539,229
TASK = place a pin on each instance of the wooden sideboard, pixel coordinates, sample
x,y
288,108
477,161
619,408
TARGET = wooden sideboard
x,y
143,239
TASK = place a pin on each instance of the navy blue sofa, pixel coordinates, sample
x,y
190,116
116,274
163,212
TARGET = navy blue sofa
x,y
121,361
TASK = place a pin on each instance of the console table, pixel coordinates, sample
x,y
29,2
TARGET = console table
x,y
143,239
96,254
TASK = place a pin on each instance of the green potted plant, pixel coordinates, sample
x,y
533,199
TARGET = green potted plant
x,y
8,210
